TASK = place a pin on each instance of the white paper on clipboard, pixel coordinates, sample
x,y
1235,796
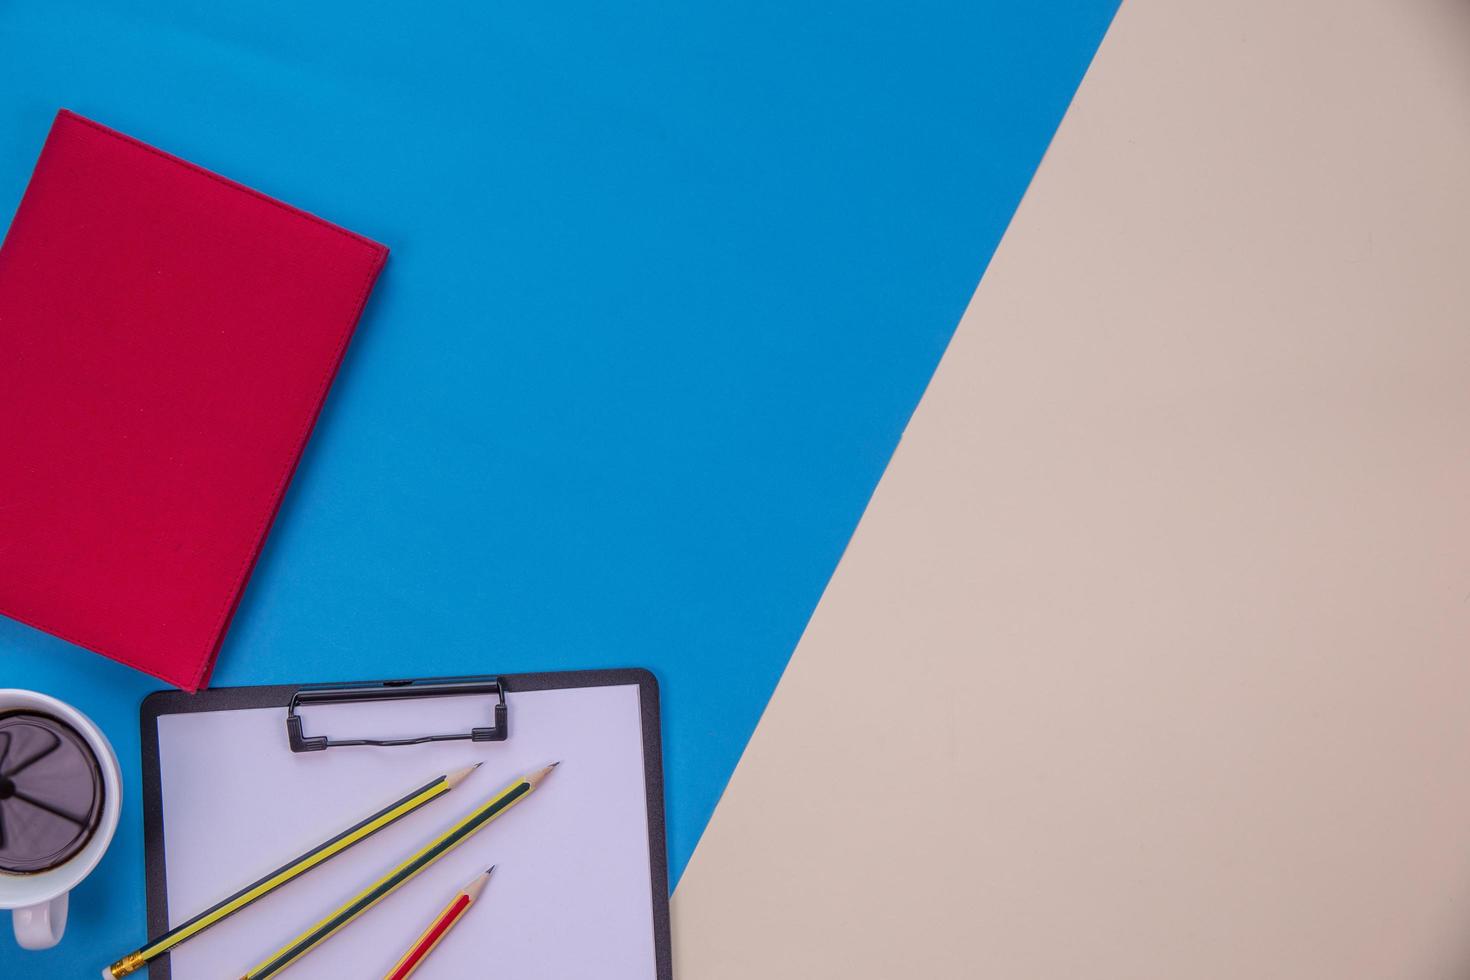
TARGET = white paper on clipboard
x,y
571,894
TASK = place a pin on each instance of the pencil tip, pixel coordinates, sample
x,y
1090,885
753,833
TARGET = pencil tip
x,y
474,888
489,871
460,775
540,774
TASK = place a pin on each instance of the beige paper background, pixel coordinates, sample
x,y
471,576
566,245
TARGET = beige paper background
x,y
1165,596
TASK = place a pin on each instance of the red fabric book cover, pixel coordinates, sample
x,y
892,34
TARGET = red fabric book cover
x,y
167,338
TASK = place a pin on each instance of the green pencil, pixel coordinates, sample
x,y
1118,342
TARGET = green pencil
x,y
288,872
395,879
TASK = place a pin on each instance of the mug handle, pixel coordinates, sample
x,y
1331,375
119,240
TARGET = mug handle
x,y
41,926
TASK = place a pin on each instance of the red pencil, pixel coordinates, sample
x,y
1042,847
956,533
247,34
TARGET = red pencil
x,y
439,928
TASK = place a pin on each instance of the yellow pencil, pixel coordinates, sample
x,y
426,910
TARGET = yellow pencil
x,y
447,919
290,871
393,880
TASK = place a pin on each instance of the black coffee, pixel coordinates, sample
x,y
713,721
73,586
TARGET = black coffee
x,y
50,792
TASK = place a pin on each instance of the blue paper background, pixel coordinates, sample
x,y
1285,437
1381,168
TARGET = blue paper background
x,y
667,281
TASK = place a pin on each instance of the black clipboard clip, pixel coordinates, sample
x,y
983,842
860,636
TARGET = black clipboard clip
x,y
395,691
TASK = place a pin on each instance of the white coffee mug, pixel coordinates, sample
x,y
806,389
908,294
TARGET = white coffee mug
x,y
39,900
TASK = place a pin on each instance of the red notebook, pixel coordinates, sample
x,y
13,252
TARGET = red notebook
x,y
167,338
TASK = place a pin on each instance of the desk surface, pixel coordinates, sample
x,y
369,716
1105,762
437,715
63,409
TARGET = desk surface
x,y
667,281
1176,553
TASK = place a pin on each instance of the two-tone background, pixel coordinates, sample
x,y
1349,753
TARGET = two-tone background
x,y
1147,657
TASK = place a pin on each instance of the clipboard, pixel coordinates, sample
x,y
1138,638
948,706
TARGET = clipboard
x,y
238,780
